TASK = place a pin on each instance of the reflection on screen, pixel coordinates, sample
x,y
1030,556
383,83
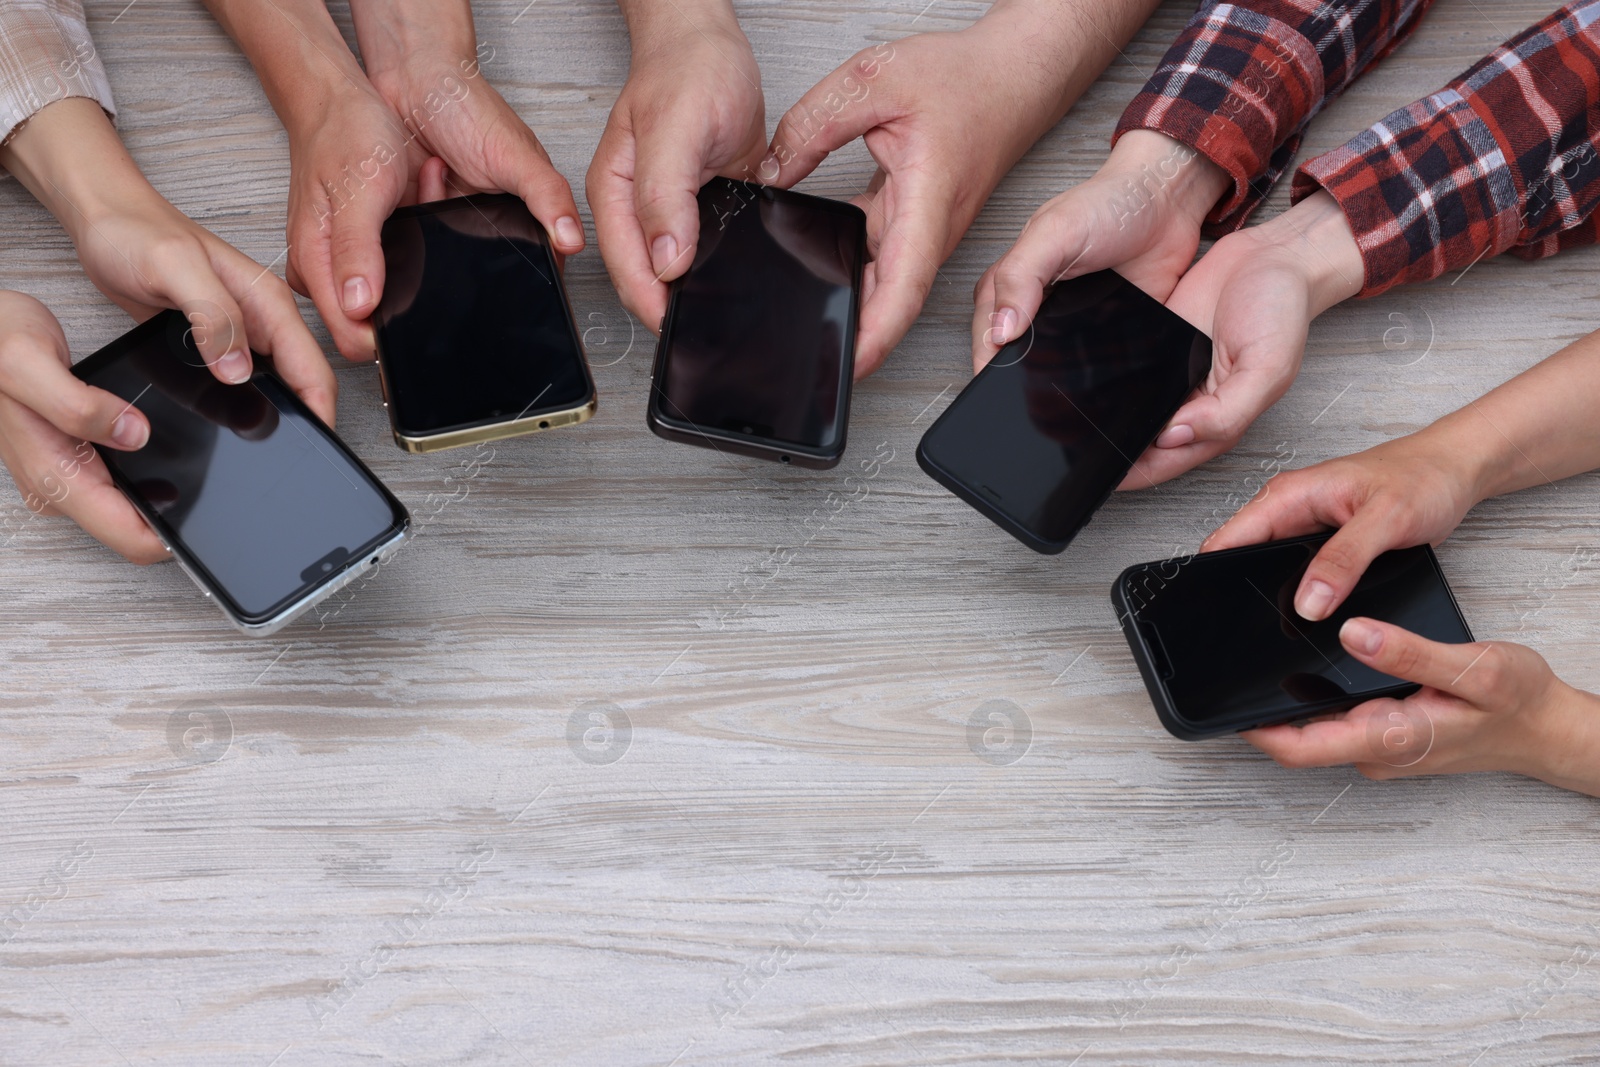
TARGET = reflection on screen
x,y
1226,638
1057,419
258,493
761,340
473,323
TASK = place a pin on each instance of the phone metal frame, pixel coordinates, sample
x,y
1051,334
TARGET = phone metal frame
x,y
1183,728
493,429
994,512
370,558
684,431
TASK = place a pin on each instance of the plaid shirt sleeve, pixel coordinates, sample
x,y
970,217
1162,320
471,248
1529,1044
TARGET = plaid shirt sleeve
x,y
1243,79
1504,157
45,55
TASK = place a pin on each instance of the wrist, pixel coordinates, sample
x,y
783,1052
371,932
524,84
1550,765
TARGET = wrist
x,y
1190,183
398,37
1562,742
653,25
1321,239
71,159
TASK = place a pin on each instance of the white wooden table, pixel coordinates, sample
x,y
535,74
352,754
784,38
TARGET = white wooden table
x,y
390,839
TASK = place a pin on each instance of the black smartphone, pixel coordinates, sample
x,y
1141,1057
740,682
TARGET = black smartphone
x,y
1041,436
254,496
476,340
758,347
1221,649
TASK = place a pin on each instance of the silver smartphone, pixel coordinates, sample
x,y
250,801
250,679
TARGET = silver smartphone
x,y
255,497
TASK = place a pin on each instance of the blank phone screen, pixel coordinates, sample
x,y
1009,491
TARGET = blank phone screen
x,y
473,327
252,486
1225,639
1045,432
760,341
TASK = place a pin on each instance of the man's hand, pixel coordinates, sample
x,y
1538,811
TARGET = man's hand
x,y
945,116
692,109
1254,293
1140,214
1485,706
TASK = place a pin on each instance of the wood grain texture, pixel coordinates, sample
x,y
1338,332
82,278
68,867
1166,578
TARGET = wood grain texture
x,y
399,857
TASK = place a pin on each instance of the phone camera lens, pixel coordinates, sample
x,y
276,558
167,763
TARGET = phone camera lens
x,y
783,459
749,429
326,567
544,424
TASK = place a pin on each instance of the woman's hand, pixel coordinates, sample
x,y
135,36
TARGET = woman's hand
x,y
1485,706
145,254
47,419
1413,490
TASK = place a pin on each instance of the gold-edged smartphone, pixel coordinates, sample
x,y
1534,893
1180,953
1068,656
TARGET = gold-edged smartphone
x,y
476,340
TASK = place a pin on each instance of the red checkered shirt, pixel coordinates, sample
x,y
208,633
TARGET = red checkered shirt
x,y
1242,81
1504,157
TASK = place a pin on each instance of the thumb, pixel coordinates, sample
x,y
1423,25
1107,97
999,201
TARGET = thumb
x,y
829,116
1341,562
1051,248
667,178
355,256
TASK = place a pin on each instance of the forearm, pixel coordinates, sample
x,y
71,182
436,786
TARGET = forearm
x,y
1243,79
390,31
651,22
1539,427
297,51
1069,42
71,159
1564,745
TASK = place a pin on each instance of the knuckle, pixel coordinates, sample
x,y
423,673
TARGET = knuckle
x,y
1495,669
1403,658
172,252
77,413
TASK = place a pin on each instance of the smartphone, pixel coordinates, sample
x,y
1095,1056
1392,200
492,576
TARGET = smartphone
x,y
1041,436
1221,649
476,340
252,494
758,347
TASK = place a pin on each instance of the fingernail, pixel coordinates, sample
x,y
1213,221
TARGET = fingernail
x,y
568,232
1315,600
1005,326
1361,636
663,250
357,294
129,431
234,367
1175,437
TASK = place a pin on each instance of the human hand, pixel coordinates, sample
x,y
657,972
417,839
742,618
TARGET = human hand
x,y
1140,213
1254,293
1484,706
426,126
691,109
48,416
145,254
942,143
1410,491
